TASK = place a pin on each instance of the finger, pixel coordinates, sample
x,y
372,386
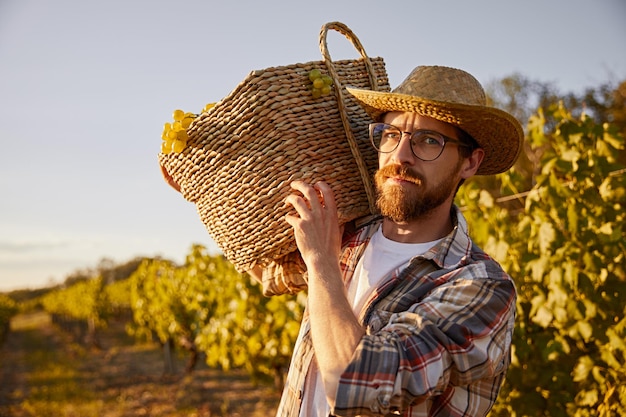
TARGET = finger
x,y
293,221
168,178
298,203
310,193
327,195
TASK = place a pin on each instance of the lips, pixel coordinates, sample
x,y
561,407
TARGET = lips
x,y
398,173
403,179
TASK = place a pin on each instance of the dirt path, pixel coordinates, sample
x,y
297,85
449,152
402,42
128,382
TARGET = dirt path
x,y
43,372
12,373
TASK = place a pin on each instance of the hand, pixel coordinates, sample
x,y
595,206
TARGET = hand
x,y
316,225
256,273
168,178
335,330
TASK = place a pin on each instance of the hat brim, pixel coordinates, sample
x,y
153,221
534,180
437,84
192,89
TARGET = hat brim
x,y
497,132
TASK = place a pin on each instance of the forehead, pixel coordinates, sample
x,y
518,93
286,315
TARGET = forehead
x,y
410,122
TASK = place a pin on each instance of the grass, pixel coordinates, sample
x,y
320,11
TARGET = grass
x,y
43,372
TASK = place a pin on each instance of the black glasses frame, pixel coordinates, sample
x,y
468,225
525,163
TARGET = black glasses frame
x,y
419,134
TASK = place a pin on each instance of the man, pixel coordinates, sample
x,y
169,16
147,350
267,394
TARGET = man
x,y
405,314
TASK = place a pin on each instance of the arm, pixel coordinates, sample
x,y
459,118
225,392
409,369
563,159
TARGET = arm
x,y
454,338
286,275
335,330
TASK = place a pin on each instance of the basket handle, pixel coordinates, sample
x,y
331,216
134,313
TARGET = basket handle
x,y
344,30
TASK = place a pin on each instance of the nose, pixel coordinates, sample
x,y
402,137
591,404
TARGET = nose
x,y
403,154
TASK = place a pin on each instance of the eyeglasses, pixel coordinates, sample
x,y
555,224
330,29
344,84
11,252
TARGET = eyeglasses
x,y
426,145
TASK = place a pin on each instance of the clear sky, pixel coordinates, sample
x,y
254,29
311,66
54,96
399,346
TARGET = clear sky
x,y
86,86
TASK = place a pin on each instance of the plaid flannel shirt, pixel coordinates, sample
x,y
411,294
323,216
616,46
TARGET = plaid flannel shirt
x,y
438,332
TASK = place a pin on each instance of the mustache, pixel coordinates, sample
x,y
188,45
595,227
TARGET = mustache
x,y
401,172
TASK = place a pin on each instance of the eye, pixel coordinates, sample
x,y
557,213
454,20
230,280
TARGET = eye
x,y
391,134
429,138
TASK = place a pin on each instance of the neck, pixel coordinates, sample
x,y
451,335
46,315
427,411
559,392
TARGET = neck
x,y
432,226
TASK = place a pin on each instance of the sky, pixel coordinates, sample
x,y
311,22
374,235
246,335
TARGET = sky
x,y
86,86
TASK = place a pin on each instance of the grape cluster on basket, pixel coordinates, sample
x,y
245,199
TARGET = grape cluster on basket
x,y
321,83
175,133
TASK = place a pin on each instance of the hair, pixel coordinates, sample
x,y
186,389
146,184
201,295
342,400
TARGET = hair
x,y
467,140
465,151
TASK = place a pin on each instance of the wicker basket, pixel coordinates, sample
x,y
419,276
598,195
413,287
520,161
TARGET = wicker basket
x,y
243,153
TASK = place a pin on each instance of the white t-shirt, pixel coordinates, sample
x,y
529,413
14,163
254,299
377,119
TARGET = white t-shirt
x,y
380,257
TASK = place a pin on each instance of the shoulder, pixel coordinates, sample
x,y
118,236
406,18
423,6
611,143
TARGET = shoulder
x,y
362,228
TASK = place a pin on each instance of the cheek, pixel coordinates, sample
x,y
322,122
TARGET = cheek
x,y
383,159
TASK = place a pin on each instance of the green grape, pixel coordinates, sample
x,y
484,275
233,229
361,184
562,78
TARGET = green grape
x,y
178,115
314,74
179,145
318,83
182,135
321,83
174,134
166,128
186,122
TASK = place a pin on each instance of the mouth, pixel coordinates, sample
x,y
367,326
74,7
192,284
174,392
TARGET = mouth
x,y
398,175
401,179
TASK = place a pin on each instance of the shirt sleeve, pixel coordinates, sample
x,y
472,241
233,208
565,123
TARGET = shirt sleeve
x,y
286,275
459,333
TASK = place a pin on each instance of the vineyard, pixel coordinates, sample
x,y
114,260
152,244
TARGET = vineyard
x,y
188,321
204,308
45,373
561,236
8,308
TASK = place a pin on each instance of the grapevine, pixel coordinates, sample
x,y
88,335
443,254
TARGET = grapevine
x,y
82,307
206,306
565,248
8,308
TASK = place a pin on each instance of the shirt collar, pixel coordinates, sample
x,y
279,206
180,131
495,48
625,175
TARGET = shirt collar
x,y
449,253
452,250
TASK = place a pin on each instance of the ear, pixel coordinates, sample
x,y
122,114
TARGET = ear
x,y
472,163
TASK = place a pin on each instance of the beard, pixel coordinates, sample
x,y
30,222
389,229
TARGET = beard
x,y
406,203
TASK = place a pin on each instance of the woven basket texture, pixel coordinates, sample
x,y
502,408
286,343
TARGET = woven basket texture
x,y
243,153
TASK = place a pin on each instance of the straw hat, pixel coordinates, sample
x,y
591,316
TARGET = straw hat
x,y
456,97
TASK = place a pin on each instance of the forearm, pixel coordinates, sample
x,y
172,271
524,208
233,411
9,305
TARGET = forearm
x,y
334,328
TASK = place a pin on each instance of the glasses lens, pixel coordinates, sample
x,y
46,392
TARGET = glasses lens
x,y
384,137
427,145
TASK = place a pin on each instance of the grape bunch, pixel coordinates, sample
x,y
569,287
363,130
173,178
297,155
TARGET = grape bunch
x,y
175,134
321,83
